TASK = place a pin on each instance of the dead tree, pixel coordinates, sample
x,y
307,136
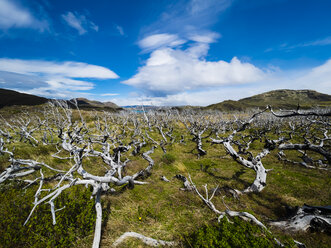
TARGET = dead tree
x,y
308,134
197,125
254,163
307,218
221,214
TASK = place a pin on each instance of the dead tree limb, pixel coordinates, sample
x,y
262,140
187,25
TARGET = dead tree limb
x,y
307,217
147,240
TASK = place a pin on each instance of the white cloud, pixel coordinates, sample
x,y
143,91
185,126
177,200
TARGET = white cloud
x,y
169,71
12,15
157,41
208,37
51,79
64,69
53,93
317,78
196,7
79,22
110,94
69,84
160,40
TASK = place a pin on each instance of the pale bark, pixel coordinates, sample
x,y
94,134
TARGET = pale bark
x,y
147,240
307,217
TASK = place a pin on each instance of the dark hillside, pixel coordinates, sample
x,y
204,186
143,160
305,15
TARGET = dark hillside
x,y
84,103
11,97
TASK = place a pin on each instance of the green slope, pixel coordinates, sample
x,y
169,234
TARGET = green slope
x,y
284,99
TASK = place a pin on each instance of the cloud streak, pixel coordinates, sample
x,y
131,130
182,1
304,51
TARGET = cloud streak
x,y
110,94
51,79
120,30
79,22
64,69
156,41
188,17
319,42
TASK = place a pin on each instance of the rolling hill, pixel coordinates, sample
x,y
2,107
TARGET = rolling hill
x,y
85,103
11,98
279,99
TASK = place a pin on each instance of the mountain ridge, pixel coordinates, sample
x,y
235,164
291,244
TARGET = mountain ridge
x,y
282,99
12,97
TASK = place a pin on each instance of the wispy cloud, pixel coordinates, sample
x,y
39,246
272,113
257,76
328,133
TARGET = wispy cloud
x,y
48,78
155,41
205,37
64,69
79,22
110,94
319,42
162,40
120,29
185,18
13,15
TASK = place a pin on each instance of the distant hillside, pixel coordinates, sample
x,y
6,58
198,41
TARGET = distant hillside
x,y
89,104
187,107
281,99
11,97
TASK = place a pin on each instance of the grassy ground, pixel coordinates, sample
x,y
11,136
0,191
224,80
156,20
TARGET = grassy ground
x,y
161,210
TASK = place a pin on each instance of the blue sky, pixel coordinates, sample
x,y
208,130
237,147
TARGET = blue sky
x,y
195,52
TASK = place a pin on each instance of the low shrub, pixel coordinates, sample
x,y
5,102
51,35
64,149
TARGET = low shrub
x,y
168,158
74,222
239,234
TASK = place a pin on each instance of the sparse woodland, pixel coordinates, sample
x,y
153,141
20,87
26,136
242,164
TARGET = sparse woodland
x,y
75,178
